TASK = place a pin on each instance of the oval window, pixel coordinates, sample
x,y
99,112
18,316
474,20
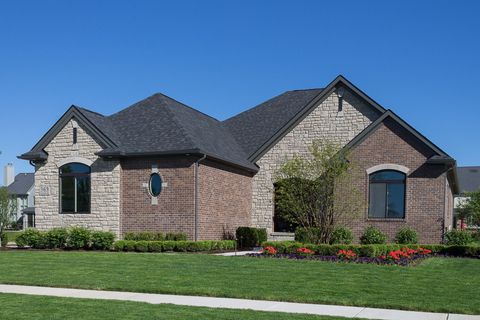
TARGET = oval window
x,y
155,184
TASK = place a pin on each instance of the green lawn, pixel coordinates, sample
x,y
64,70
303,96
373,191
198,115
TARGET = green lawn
x,y
24,307
437,284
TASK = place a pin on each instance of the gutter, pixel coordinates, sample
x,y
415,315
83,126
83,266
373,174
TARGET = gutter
x,y
195,200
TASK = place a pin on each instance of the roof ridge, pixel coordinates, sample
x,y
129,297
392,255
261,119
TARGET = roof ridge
x,y
88,110
178,122
187,106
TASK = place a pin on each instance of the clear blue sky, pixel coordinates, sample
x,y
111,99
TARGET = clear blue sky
x,y
419,58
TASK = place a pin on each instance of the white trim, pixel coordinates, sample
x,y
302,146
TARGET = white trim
x,y
388,166
74,159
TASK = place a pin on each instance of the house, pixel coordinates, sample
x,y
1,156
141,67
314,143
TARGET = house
x,y
468,181
22,190
163,166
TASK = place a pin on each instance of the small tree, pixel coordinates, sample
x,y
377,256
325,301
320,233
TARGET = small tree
x,y
469,209
7,209
316,192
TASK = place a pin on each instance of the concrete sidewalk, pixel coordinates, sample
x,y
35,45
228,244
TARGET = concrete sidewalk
x,y
257,305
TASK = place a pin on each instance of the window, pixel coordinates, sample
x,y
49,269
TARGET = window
x,y
75,188
74,135
387,195
155,184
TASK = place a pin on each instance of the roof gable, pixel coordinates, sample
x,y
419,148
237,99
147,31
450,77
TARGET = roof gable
x,y
74,112
259,140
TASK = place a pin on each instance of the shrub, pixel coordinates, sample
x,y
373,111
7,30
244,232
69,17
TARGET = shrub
x,y
341,235
78,238
141,246
176,236
31,237
129,245
119,245
249,237
180,246
155,246
4,239
406,235
56,238
130,236
373,235
159,236
102,240
168,245
458,237
307,235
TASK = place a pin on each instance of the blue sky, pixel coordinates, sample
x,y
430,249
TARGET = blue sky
x,y
419,58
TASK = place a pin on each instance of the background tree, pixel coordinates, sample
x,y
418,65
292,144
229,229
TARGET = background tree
x,y
316,191
469,209
7,209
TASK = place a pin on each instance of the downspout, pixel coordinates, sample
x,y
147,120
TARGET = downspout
x,y
195,205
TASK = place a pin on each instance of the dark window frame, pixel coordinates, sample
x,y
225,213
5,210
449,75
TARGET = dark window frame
x,y
150,191
75,175
387,182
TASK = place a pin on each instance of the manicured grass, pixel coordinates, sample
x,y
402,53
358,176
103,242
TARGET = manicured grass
x,y
24,307
436,284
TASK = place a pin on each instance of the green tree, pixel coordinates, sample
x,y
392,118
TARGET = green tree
x,y
316,191
469,209
7,209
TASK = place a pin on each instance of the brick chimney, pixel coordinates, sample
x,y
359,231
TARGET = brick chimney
x,y
8,174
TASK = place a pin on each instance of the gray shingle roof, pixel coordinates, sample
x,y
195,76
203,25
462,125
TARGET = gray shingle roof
x,y
22,183
468,179
254,127
160,124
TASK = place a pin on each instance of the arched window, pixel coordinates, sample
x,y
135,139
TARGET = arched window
x,y
387,194
75,188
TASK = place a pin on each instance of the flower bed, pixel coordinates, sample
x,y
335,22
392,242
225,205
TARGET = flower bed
x,y
404,256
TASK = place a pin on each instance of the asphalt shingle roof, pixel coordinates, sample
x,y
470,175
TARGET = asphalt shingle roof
x,y
468,179
254,127
162,124
22,183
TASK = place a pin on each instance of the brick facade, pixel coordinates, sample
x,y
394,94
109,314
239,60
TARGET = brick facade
x,y
223,197
224,200
426,191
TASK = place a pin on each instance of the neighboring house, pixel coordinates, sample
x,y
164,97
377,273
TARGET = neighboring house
x,y
22,189
468,181
160,165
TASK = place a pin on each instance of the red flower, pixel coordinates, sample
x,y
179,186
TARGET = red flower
x,y
269,250
305,251
346,254
424,251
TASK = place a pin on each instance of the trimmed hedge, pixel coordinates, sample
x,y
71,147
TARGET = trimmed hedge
x,y
176,246
155,236
61,238
249,237
373,250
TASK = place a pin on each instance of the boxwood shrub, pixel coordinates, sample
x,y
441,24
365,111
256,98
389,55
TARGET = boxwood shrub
x,y
61,238
176,246
406,235
249,237
373,235
341,235
459,237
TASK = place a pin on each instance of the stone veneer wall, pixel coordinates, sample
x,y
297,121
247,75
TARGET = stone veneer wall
x,y
174,211
325,123
425,185
224,200
105,184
